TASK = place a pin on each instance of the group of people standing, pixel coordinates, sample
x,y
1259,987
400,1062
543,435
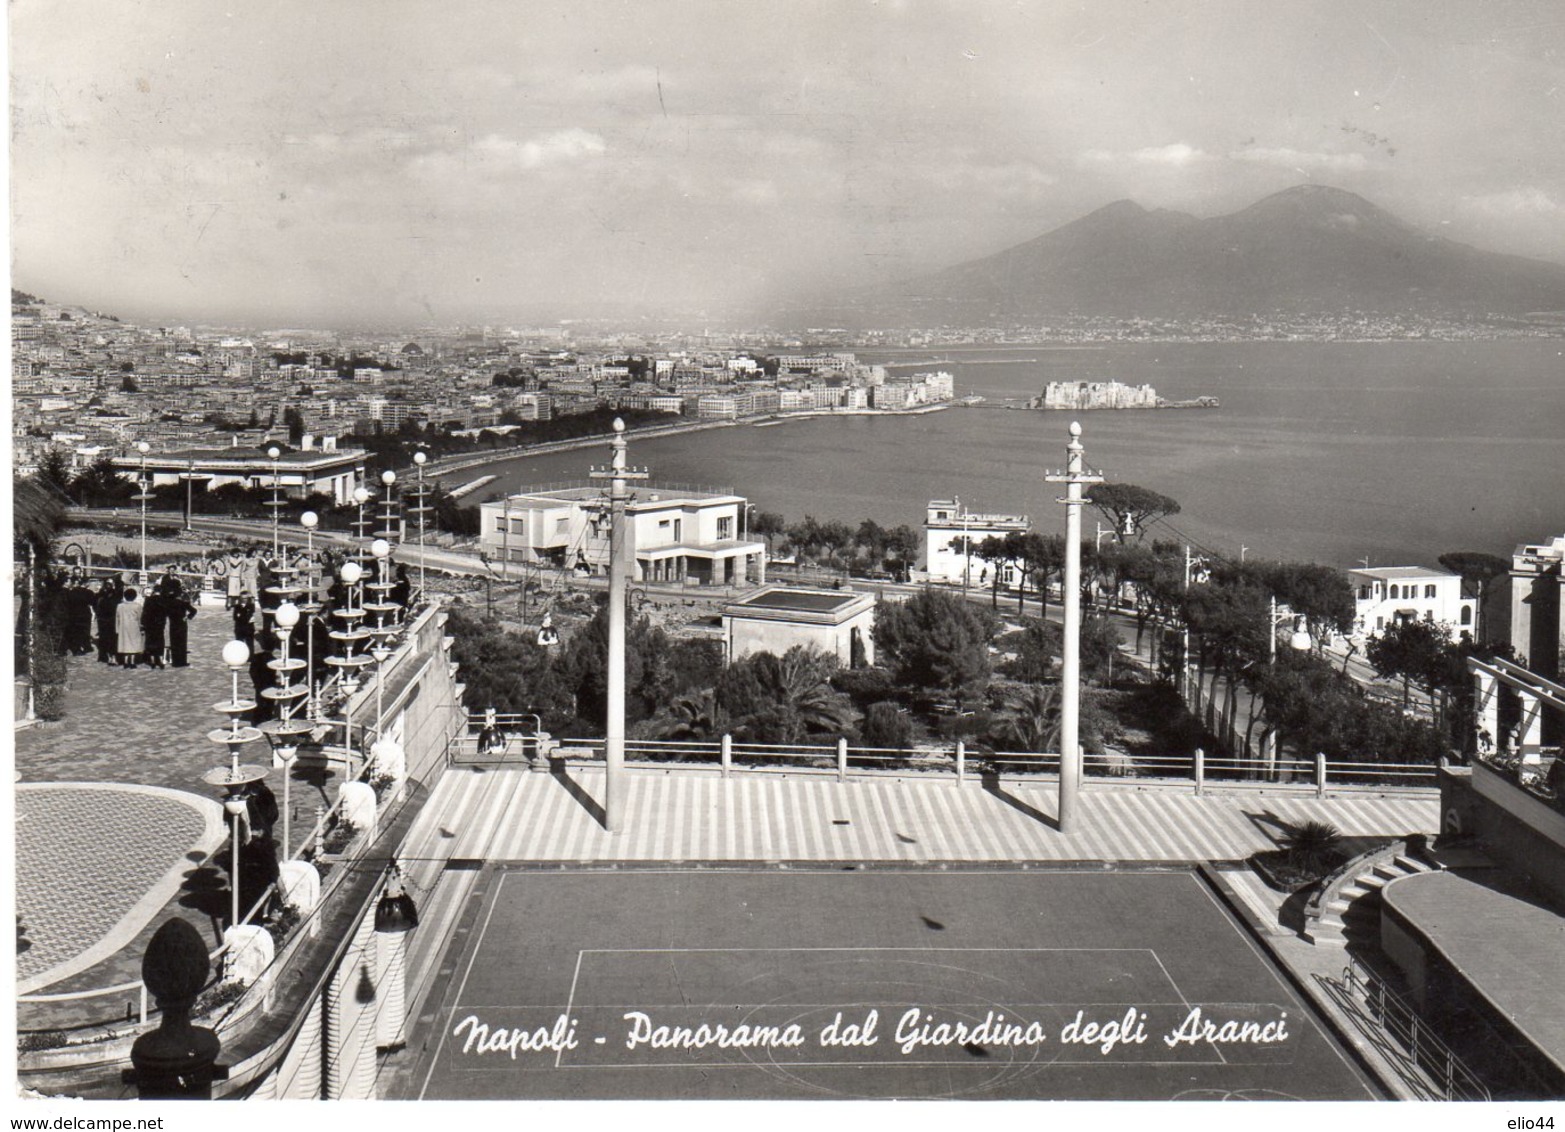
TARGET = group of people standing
x,y
132,629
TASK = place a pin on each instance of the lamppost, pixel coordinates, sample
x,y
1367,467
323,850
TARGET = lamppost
x,y
285,730
234,779
309,520
1299,640
419,460
361,496
389,508
190,479
395,916
143,447
1074,477
274,452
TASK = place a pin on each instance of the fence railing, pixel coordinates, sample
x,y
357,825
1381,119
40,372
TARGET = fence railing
x,y
1395,1017
517,739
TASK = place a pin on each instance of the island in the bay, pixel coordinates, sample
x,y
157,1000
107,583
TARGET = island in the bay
x,y
1081,395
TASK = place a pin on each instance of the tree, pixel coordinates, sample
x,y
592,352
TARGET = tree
x,y
54,469
128,384
1035,726
1129,507
100,484
886,725
783,699
997,554
1412,651
294,420
768,524
937,642
1477,570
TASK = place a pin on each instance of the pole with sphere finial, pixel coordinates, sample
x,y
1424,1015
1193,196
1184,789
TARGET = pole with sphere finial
x,y
618,475
1074,479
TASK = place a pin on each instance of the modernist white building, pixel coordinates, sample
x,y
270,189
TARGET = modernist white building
x,y
1385,595
676,535
309,471
946,526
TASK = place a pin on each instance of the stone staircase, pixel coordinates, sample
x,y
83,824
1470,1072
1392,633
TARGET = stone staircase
x,y
1349,911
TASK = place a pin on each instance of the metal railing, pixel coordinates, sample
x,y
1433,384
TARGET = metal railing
x,y
727,755
1394,1017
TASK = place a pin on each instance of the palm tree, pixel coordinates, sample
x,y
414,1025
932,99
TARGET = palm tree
x,y
800,682
1035,726
693,717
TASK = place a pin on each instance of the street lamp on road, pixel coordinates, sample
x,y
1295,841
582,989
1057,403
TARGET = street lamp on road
x,y
143,447
1299,640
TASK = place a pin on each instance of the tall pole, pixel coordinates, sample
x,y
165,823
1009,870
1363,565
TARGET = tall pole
x,y
274,452
190,479
614,731
418,459
143,447
1074,478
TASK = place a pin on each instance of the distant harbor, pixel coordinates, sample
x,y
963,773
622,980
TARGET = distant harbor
x,y
1079,396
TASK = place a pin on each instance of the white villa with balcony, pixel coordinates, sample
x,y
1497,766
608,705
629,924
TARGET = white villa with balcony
x,y
1384,595
678,536
947,524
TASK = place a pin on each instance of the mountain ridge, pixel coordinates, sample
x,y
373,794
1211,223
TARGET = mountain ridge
x,y
1309,248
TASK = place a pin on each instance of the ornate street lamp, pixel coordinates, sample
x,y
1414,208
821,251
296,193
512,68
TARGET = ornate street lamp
x,y
234,779
284,731
395,916
273,453
143,447
419,460
309,520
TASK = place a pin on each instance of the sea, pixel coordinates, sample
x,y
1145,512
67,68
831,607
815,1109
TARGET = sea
x,y
1390,453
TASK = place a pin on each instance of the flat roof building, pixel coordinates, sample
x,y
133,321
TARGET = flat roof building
x,y
837,622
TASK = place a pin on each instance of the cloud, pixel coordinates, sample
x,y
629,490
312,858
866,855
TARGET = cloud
x,y
496,155
1527,201
1175,155
1302,160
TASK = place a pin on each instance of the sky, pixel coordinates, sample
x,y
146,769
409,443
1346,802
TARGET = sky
x,y
375,161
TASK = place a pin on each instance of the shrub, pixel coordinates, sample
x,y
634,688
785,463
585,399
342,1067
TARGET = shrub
x,y
886,725
40,1040
1313,845
214,998
282,926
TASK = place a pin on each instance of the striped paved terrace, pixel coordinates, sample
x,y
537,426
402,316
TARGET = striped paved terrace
x,y
515,815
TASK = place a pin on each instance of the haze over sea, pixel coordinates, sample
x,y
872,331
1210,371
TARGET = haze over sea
x,y
1322,451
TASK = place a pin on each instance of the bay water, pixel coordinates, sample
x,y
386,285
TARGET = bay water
x,y
1331,452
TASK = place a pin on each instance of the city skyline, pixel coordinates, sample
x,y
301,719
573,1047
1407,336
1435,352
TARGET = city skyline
x,y
298,167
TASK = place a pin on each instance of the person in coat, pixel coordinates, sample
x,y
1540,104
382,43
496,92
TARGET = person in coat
x,y
130,641
154,627
77,637
249,574
244,620
180,613
105,606
235,575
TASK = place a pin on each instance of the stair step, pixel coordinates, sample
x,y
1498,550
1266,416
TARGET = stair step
x,y
1325,936
1370,880
1412,864
1330,921
1389,872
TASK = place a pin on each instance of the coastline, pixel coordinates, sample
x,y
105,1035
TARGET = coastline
x,y
467,463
